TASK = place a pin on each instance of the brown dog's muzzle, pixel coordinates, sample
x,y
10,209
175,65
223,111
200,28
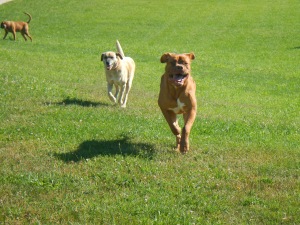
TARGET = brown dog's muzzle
x,y
177,79
178,68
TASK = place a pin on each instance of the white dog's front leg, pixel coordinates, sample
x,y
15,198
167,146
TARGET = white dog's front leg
x,y
127,89
121,96
109,92
117,91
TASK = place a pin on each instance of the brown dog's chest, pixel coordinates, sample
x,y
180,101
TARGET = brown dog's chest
x,y
178,102
177,107
177,99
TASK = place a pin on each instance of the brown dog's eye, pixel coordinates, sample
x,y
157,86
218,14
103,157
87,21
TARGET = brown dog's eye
x,y
182,62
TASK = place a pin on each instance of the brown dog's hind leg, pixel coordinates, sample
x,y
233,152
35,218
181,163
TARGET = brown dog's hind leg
x,y
14,34
24,36
28,35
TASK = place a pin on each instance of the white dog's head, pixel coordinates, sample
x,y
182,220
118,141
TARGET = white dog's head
x,y
110,59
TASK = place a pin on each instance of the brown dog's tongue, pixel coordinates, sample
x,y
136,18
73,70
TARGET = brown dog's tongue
x,y
177,79
178,76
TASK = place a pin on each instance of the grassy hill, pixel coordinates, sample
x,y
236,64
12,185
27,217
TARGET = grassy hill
x,y
68,156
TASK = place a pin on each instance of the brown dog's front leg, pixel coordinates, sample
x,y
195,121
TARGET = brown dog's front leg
x,y
171,118
6,32
189,119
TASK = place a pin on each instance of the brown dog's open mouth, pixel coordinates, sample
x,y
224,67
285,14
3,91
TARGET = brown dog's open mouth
x,y
177,79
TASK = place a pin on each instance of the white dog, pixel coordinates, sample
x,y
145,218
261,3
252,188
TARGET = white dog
x,y
119,71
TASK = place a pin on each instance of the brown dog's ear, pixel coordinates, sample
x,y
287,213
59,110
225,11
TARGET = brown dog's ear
x,y
191,55
165,57
118,54
102,56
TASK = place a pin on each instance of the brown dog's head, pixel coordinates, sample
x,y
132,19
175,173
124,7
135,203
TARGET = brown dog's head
x,y
110,59
178,67
3,25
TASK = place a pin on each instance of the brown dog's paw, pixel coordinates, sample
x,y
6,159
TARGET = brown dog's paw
x,y
184,148
178,139
175,149
183,152
178,150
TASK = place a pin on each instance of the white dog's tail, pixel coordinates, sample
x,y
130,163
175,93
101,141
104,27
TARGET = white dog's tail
x,y
119,48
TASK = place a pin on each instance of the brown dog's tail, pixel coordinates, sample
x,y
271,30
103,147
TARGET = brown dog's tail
x,y
120,50
28,16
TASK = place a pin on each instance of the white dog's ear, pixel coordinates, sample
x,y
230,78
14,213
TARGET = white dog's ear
x,y
120,56
102,56
165,57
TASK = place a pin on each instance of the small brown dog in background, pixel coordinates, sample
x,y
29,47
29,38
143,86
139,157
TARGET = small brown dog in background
x,y
13,27
177,96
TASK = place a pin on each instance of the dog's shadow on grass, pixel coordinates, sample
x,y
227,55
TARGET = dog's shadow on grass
x,y
297,47
93,148
80,102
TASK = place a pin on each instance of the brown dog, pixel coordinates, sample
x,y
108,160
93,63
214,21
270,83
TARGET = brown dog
x,y
177,96
13,27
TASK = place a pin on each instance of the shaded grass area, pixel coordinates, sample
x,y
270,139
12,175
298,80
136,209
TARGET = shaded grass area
x,y
92,148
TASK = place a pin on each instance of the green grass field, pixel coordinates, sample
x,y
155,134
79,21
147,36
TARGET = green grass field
x,y
68,156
